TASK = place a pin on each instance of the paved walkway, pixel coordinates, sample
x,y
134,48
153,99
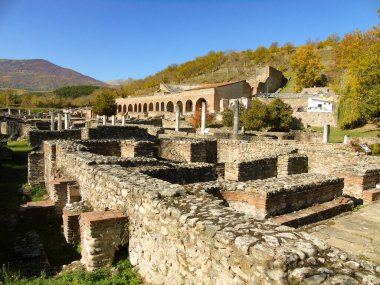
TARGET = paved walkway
x,y
357,233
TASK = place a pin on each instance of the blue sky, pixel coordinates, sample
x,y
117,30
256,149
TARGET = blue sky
x,y
117,39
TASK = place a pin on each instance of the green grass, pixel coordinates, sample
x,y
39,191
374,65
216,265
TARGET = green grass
x,y
33,110
19,146
122,274
337,135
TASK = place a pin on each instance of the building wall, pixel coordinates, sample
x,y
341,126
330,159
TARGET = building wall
x,y
316,119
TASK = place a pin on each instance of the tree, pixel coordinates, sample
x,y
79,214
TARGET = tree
x,y
256,116
357,57
228,116
280,115
306,64
104,103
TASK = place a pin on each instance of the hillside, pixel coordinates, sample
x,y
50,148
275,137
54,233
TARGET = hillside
x,y
40,75
218,67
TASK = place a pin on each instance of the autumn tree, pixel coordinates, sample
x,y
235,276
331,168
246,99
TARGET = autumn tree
x,y
104,103
306,64
197,118
357,57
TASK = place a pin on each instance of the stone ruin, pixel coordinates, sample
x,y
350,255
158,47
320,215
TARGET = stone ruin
x,y
204,211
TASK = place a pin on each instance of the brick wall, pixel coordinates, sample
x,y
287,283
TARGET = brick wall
x,y
259,168
36,167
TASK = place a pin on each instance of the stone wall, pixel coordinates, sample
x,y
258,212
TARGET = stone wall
x,y
186,150
114,132
181,235
291,164
316,119
36,167
103,147
259,168
133,148
36,137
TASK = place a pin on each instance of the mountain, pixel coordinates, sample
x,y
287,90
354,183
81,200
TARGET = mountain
x,y
40,75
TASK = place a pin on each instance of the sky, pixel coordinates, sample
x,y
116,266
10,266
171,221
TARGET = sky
x,y
117,39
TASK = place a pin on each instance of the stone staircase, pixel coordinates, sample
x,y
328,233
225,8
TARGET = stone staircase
x,y
315,213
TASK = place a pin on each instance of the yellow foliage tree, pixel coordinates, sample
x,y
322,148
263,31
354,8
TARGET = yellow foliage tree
x,y
306,64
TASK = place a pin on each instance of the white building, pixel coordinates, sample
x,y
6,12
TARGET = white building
x,y
320,105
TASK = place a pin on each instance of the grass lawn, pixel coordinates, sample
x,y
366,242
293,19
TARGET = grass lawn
x,y
337,135
33,110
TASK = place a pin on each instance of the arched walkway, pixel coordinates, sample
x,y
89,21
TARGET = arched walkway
x,y
145,108
189,106
198,104
162,107
150,106
124,108
180,106
130,108
140,108
119,109
157,107
135,108
170,107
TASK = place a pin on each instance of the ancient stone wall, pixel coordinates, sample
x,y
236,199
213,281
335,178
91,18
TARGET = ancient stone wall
x,y
258,168
316,119
36,137
114,132
187,150
180,235
103,147
36,167
133,148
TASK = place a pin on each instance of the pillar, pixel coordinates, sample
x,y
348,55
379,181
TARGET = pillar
x,y
9,112
104,120
203,118
59,122
113,120
346,139
177,118
66,121
123,120
29,113
19,112
326,134
52,122
236,117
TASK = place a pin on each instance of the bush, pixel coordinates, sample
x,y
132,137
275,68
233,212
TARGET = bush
x,y
280,115
228,117
197,118
375,149
256,117
36,192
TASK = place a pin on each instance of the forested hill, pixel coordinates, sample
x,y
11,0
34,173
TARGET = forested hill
x,y
40,75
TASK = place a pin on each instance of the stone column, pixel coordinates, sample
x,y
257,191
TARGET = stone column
x,y
346,139
52,121
123,120
177,118
203,118
66,121
59,122
326,134
29,112
19,112
104,120
9,112
236,117
113,120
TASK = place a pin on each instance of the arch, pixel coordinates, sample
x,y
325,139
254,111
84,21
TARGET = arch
x,y
180,106
198,104
150,108
145,107
162,107
189,106
124,108
140,109
130,108
119,108
157,107
135,108
170,107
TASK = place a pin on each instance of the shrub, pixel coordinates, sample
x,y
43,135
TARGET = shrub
x,y
256,117
197,118
280,115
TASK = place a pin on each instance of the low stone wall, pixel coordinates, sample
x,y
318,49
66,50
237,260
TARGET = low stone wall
x,y
291,164
36,167
309,137
180,235
36,137
316,119
259,168
103,147
186,150
114,132
133,148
